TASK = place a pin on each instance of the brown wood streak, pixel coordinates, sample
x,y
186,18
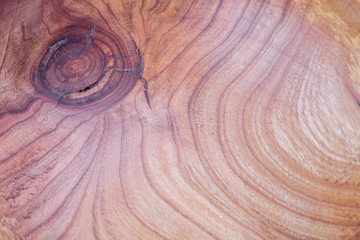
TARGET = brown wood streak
x,y
253,131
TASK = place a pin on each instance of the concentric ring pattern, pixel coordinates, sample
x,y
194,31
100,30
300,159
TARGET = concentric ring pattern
x,y
252,133
85,64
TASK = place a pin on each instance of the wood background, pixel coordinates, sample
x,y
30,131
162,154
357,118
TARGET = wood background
x,y
253,130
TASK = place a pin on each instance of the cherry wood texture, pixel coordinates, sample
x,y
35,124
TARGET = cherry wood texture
x,y
253,128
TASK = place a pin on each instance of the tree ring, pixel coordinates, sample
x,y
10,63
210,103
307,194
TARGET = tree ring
x,y
86,65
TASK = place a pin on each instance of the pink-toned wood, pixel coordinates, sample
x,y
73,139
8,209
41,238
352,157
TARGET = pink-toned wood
x,y
252,130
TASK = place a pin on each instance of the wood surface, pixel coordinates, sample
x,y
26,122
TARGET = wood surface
x,y
252,130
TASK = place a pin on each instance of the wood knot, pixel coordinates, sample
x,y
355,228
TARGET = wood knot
x,y
87,65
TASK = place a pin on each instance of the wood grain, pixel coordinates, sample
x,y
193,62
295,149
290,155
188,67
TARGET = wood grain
x,y
252,130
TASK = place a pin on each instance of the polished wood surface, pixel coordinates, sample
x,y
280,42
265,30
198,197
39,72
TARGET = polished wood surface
x,y
251,129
